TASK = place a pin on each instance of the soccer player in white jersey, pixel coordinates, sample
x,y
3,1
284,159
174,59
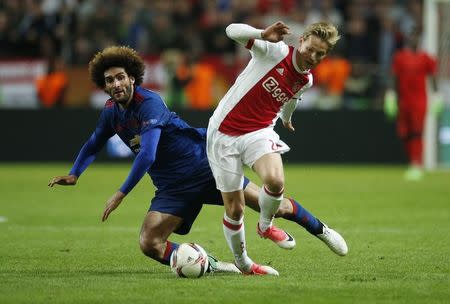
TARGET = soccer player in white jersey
x,y
241,129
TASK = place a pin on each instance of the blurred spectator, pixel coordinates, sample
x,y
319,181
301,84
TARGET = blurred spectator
x,y
178,76
411,19
199,90
296,20
6,41
130,31
356,39
357,90
331,75
76,29
215,40
51,87
389,40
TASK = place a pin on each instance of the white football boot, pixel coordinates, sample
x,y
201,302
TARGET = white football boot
x,y
218,266
333,240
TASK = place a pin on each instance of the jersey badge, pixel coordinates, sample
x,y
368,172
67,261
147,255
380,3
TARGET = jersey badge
x,y
135,143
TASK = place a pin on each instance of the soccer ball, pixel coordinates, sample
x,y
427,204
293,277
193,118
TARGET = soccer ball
x,y
189,260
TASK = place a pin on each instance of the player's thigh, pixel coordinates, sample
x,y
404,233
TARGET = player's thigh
x,y
225,161
269,167
259,143
158,225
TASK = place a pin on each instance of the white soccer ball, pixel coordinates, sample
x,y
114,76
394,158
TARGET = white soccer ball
x,y
189,260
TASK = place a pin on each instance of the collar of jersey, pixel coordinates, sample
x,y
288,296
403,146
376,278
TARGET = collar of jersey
x,y
294,61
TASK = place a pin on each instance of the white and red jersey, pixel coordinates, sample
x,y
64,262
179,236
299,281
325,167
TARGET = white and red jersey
x,y
269,86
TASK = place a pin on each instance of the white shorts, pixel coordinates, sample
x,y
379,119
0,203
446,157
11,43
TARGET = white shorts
x,y
226,154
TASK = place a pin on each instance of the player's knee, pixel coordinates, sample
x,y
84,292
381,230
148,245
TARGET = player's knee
x,y
236,211
274,183
150,246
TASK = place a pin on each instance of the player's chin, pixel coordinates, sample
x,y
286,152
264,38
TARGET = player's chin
x,y
121,100
311,65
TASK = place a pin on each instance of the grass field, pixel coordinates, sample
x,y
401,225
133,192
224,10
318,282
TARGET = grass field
x,y
54,248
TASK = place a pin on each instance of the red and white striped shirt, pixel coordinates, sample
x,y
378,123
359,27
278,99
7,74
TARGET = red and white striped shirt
x,y
269,86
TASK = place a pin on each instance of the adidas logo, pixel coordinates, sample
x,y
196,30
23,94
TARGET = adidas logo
x,y
280,71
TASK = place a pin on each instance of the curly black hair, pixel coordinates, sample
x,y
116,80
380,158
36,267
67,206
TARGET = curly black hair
x,y
116,56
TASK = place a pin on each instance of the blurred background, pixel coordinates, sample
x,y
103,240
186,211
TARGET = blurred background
x,y
191,63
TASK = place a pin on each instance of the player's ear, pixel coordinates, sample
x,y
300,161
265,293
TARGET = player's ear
x,y
300,40
132,79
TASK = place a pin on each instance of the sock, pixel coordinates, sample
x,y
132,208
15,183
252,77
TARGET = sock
x,y
234,232
416,150
170,247
305,219
268,203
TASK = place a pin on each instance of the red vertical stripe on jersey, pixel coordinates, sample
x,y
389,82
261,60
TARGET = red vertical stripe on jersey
x,y
250,43
260,105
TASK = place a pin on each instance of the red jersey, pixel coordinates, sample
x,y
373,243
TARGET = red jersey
x,y
411,69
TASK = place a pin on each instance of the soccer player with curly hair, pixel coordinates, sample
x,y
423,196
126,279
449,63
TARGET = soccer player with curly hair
x,y
169,150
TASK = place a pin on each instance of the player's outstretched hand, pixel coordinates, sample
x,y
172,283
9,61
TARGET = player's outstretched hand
x,y
66,180
275,32
390,104
437,104
289,126
112,204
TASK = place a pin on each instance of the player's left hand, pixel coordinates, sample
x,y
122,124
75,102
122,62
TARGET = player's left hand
x,y
112,204
437,104
288,125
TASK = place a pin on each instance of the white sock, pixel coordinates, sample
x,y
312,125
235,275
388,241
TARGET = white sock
x,y
268,203
234,232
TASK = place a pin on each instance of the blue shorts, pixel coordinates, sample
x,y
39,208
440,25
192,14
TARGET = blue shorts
x,y
187,204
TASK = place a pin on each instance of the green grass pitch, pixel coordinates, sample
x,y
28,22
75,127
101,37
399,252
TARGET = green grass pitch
x,y
55,249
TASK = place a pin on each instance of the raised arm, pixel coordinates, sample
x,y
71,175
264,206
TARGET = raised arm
x,y
243,33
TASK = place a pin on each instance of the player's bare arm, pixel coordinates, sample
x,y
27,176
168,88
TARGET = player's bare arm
x,y
275,32
113,202
288,125
66,180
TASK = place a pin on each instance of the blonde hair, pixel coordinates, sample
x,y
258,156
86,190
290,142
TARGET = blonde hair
x,y
325,31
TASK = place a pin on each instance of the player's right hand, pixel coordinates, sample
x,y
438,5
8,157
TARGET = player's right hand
x,y
390,104
288,125
113,202
275,32
66,180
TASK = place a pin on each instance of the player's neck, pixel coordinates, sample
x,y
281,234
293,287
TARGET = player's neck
x,y
299,62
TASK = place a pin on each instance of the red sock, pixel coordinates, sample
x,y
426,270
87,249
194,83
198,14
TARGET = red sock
x,y
416,147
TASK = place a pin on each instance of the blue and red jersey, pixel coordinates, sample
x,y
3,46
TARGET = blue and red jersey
x,y
166,147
